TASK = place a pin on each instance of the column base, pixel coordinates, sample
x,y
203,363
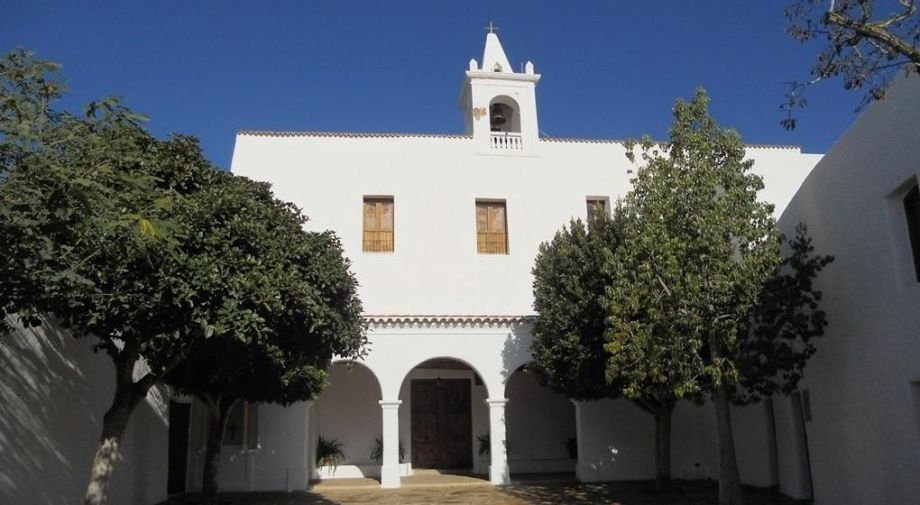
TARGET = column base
x,y
389,477
499,474
586,473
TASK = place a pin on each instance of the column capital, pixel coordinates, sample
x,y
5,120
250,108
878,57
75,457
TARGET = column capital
x,y
496,402
390,404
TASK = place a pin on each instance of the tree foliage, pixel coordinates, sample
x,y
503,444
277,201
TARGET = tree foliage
x,y
866,42
143,245
704,274
569,286
282,303
700,245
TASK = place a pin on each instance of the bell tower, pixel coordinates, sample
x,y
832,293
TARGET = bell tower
x,y
500,105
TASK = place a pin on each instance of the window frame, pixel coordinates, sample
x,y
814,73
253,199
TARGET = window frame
x,y
489,246
594,200
374,246
249,434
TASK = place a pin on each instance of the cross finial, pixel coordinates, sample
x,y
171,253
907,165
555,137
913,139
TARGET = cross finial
x,y
492,28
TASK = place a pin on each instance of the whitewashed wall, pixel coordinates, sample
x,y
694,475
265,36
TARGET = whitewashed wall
x,y
53,393
864,381
435,268
618,442
538,423
279,461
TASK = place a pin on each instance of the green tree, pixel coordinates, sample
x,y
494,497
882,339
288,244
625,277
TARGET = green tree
x,y
569,285
706,246
84,213
866,42
96,215
573,279
282,300
652,354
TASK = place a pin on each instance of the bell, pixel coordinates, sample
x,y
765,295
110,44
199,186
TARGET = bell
x,y
496,116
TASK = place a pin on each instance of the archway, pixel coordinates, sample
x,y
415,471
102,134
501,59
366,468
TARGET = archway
x,y
540,427
444,420
504,115
346,423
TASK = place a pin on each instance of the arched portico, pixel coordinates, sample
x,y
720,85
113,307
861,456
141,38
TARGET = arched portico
x,y
476,349
340,416
445,412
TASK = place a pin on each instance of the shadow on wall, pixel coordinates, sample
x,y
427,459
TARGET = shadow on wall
x,y
516,349
53,393
40,388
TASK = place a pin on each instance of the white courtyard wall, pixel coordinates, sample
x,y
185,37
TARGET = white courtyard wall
x,y
616,441
792,450
54,391
538,423
863,438
278,461
619,442
281,463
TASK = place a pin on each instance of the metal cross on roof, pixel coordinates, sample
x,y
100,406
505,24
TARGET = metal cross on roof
x,y
492,28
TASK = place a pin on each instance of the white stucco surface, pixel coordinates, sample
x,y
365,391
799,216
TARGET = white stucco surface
x,y
863,438
435,182
54,391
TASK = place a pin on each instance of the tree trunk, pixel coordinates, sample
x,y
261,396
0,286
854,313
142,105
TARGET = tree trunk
x,y
218,413
663,447
114,423
729,482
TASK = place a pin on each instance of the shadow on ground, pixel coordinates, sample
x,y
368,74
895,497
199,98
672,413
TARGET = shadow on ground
x,y
635,493
612,493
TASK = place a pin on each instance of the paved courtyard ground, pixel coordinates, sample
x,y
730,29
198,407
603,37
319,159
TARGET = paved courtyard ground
x,y
475,491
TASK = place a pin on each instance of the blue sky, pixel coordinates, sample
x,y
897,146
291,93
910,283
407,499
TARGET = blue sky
x,y
610,68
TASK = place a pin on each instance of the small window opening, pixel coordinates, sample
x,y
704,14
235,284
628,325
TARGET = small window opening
x,y
597,206
912,212
491,228
378,224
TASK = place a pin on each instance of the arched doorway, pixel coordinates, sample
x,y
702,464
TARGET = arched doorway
x,y
540,427
346,423
444,420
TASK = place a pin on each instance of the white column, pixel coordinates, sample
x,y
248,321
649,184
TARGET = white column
x,y
389,471
584,471
498,470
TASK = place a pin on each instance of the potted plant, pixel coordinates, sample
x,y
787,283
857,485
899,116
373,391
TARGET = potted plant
x,y
329,453
377,453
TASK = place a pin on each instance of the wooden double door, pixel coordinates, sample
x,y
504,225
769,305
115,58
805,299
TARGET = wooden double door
x,y
442,426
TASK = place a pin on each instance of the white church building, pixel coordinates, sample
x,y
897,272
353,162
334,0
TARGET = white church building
x,y
442,232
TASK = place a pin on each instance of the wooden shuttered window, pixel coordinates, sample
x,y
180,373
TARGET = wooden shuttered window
x,y
597,206
378,224
491,228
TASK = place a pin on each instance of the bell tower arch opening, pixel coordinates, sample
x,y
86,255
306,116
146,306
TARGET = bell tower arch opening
x,y
504,115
